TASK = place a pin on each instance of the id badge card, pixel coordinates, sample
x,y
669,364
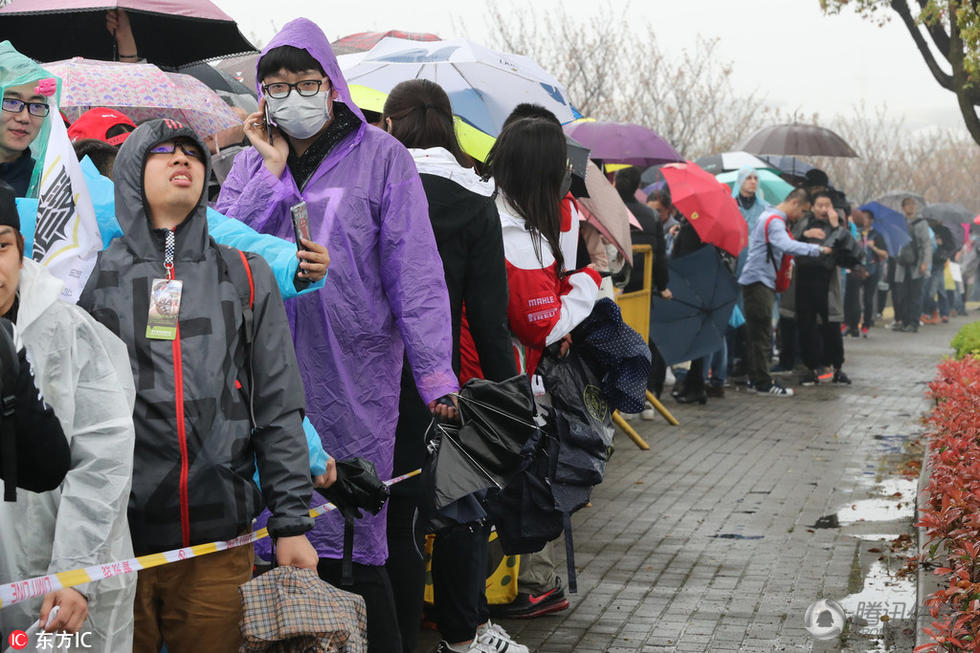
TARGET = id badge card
x,y
164,309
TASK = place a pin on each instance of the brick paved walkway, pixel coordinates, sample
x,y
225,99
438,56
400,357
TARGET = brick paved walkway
x,y
705,542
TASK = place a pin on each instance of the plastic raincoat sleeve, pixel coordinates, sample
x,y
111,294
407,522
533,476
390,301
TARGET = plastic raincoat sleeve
x,y
415,287
91,389
280,450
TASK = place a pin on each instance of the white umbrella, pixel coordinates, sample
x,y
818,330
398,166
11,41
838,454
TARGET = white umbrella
x,y
483,85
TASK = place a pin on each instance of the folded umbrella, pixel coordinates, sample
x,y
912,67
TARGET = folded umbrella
x,y
708,205
694,321
292,609
142,92
169,33
614,142
891,225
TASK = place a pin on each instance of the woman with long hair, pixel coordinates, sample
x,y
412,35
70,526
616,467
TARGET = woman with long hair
x,y
467,231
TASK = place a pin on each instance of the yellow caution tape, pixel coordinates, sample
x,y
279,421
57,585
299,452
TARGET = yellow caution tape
x,y
37,587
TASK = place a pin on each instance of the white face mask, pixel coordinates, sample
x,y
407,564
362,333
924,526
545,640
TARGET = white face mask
x,y
298,116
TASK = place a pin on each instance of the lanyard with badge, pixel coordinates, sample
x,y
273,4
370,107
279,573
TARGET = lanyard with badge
x,y
161,323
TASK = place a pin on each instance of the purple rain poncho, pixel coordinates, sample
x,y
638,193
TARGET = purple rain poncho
x,y
385,294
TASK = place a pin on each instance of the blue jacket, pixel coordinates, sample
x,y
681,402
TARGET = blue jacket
x,y
758,268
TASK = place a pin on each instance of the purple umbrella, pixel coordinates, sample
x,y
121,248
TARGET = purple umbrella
x,y
615,142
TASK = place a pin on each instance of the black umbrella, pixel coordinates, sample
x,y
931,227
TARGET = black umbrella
x,y
578,157
228,88
484,451
169,33
956,214
797,139
727,161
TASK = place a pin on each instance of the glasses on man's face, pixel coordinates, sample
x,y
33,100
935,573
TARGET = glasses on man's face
x,y
189,149
280,90
37,109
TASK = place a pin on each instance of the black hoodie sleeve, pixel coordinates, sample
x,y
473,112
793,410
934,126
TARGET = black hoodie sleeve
x,y
661,271
485,296
43,457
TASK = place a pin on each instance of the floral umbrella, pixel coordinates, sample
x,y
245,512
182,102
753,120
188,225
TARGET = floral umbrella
x,y
141,91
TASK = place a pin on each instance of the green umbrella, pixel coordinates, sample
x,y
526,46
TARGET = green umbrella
x,y
774,189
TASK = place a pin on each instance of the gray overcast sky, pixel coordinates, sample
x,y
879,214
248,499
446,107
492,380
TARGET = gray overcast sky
x,y
790,52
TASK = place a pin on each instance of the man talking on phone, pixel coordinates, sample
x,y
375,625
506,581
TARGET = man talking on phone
x,y
385,297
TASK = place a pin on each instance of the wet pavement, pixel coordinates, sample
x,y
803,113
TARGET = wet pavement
x,y
753,509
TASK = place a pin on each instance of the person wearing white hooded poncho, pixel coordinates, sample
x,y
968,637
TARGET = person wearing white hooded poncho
x,y
83,372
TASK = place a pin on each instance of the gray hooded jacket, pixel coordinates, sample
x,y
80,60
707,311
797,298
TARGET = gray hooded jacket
x,y
192,477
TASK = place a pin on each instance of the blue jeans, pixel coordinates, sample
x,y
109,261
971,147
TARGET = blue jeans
x,y
717,364
935,285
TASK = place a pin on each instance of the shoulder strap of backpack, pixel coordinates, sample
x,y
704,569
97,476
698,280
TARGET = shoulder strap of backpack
x,y
9,371
769,255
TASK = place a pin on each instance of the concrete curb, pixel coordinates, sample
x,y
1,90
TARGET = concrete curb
x,y
926,582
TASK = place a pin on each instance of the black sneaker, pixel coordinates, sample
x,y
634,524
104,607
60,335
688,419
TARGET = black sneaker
x,y
527,606
771,389
810,378
840,378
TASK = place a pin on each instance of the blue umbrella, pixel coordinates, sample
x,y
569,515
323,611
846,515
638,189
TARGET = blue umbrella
x,y
891,225
693,323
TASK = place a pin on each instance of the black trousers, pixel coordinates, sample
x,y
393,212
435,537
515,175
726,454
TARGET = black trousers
x,y
788,346
406,566
859,300
658,371
459,576
821,342
759,300
373,585
907,296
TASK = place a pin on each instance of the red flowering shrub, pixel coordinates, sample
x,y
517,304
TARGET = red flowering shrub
x,y
951,515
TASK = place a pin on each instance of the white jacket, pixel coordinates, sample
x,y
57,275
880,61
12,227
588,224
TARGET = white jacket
x,y
84,373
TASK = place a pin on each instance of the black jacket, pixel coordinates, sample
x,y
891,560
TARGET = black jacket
x,y
653,235
467,230
192,478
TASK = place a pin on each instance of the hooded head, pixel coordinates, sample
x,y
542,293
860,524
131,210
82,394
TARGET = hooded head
x,y
304,34
168,178
23,78
743,174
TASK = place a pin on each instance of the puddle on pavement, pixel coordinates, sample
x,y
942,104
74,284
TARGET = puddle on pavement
x,y
895,500
883,613
736,536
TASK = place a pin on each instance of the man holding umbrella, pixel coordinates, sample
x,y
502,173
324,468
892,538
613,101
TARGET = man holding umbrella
x,y
768,243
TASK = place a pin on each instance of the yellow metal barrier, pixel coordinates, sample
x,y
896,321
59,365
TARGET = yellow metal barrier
x,y
635,307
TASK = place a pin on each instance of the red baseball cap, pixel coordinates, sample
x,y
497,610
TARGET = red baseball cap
x,y
98,123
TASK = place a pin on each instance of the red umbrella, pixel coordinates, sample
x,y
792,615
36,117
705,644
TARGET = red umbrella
x,y
364,41
708,205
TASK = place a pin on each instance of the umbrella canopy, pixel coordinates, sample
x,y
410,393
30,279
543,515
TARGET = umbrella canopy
x,y
797,139
951,213
483,85
717,163
694,321
893,199
950,233
241,67
169,33
891,225
364,41
142,92
614,142
604,209
708,205
789,165
774,189
228,88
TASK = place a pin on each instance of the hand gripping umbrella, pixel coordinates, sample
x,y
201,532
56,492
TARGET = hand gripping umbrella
x,y
168,33
693,323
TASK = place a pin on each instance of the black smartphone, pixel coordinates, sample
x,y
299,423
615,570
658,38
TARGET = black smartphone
x,y
301,224
268,122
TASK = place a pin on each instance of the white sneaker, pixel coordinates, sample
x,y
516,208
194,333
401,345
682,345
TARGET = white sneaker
x,y
476,646
630,417
648,414
773,390
497,639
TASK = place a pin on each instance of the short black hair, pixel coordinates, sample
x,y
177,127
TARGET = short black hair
x,y
627,180
798,195
869,213
529,110
821,193
661,195
102,154
295,60
910,199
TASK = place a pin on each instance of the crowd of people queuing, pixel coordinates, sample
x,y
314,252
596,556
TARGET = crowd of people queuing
x,y
179,407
